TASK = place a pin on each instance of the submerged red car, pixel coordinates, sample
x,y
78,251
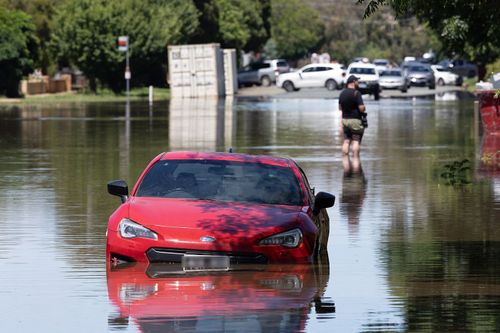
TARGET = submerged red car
x,y
215,211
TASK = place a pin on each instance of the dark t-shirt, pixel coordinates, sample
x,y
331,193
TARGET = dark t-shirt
x,y
349,101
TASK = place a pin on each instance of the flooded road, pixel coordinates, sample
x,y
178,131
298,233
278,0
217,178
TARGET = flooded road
x,y
407,252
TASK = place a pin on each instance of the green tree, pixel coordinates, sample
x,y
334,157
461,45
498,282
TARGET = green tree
x,y
18,46
41,12
87,31
296,28
382,35
467,28
243,25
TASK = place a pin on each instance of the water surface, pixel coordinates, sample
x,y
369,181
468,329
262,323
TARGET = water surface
x,y
407,253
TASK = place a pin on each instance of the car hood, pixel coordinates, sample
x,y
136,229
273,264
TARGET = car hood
x,y
169,217
419,74
390,78
367,77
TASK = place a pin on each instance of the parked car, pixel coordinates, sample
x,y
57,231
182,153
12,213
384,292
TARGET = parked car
x,y
215,210
419,74
444,76
460,67
279,66
330,76
393,79
381,64
368,78
259,73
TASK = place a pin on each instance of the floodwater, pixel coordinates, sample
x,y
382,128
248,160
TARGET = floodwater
x,y
407,252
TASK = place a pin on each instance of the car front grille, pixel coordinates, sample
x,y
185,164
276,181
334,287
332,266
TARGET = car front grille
x,y
162,255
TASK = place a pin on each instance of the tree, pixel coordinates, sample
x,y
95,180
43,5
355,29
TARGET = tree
x,y
233,23
41,12
296,28
87,32
467,28
18,46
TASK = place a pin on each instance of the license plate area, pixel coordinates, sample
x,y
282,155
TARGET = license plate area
x,y
362,85
193,263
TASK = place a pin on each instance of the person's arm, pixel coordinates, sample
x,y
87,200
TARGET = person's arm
x,y
361,105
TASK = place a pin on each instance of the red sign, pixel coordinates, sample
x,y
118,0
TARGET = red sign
x,y
123,43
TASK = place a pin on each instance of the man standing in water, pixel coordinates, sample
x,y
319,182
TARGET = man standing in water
x,y
351,105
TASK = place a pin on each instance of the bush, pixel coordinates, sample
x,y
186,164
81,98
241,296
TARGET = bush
x,y
492,69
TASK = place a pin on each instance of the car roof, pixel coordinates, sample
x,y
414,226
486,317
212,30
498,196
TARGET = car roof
x,y
221,156
362,64
332,65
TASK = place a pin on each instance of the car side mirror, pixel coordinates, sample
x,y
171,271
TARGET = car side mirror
x,y
323,200
118,188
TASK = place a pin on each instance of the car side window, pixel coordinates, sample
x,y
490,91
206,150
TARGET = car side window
x,y
309,70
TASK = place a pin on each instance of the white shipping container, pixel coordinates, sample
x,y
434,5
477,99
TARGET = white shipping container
x,y
202,70
230,72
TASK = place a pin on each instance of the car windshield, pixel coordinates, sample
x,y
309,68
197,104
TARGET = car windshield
x,y
221,180
362,70
390,73
419,69
442,69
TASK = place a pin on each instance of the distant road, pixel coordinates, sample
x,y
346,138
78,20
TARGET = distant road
x,y
273,91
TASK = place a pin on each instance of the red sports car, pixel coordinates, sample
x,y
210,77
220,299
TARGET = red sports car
x,y
215,211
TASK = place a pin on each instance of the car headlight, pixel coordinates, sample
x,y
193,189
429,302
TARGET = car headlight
x,y
291,238
129,229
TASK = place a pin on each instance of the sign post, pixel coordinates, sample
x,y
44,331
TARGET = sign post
x,y
123,46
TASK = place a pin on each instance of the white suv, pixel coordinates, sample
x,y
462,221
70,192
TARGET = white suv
x,y
330,76
368,78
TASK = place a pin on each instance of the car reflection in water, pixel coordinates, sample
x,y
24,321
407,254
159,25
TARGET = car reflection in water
x,y
268,298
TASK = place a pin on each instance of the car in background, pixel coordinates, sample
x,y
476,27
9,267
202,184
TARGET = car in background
x,y
330,76
257,73
419,74
444,76
393,78
213,211
381,64
279,66
368,78
460,67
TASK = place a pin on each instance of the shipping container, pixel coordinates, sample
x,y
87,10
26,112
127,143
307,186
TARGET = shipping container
x,y
230,71
196,70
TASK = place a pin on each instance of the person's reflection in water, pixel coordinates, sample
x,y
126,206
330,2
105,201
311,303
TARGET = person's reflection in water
x,y
353,191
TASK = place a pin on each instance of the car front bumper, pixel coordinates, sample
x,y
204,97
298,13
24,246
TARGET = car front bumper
x,y
119,249
368,87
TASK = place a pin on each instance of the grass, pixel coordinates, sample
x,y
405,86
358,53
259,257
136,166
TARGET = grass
x,y
102,95
470,84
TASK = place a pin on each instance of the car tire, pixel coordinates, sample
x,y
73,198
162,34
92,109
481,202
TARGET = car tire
x,y
432,86
440,82
376,95
331,84
265,81
403,90
288,86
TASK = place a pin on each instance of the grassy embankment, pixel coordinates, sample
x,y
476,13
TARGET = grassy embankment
x,y
102,96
